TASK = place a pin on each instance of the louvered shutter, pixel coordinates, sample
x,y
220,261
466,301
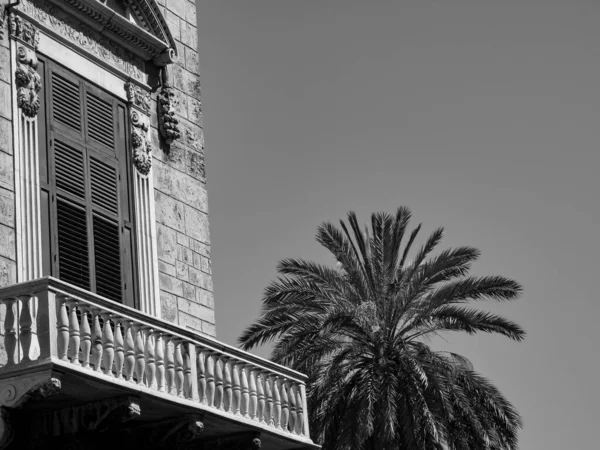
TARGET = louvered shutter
x,y
89,177
107,248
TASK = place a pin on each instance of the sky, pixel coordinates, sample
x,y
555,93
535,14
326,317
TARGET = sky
x,y
481,116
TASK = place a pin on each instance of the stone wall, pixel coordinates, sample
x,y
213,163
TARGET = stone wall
x,y
180,191
8,265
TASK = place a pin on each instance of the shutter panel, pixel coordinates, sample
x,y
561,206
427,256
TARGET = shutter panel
x,y
69,169
107,258
107,248
66,103
104,185
73,259
100,120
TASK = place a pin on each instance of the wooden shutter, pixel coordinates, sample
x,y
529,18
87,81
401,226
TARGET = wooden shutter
x,y
100,120
88,165
66,101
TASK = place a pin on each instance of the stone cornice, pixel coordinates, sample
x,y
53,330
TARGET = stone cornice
x,y
102,21
83,37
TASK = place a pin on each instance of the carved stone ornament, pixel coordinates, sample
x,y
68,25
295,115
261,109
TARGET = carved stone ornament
x,y
23,30
138,97
142,149
15,391
28,80
167,122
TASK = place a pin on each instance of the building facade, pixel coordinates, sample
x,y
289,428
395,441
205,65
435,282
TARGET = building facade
x,y
107,317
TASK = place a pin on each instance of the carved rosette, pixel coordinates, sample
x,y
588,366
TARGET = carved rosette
x,y
139,100
28,81
168,125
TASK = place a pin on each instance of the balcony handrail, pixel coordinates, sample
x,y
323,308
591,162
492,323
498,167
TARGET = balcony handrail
x,y
60,287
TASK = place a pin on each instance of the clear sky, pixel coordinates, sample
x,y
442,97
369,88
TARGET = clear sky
x,y
482,116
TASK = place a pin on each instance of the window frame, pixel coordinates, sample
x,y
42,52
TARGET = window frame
x,y
48,129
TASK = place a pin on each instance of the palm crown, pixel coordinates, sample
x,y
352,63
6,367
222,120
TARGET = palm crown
x,y
359,331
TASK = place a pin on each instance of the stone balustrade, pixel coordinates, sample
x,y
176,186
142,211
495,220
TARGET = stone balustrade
x,y
47,320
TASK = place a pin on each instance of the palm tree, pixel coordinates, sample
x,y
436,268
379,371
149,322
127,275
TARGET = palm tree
x,y
360,331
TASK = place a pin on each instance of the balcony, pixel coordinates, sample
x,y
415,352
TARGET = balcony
x,y
78,365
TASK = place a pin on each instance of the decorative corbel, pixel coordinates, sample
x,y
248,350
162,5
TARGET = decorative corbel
x,y
167,122
183,429
28,81
14,392
139,101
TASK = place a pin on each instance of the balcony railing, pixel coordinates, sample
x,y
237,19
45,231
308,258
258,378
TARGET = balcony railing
x,y
49,321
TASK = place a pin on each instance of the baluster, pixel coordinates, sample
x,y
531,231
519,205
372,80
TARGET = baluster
x,y
170,358
269,399
253,393
210,379
292,402
187,371
300,428
28,324
160,361
285,412
149,356
277,401
119,349
62,328
178,368
86,337
108,347
260,391
129,351
74,335
10,332
236,367
140,362
201,375
245,400
227,384
218,382
96,340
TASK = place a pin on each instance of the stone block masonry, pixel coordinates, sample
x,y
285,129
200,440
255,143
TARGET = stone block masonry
x,y
8,264
183,239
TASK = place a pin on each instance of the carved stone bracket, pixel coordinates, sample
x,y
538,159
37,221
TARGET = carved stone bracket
x,y
28,81
14,392
167,122
139,100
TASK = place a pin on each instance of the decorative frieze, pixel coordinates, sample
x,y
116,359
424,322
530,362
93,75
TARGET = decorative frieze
x,y
84,37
